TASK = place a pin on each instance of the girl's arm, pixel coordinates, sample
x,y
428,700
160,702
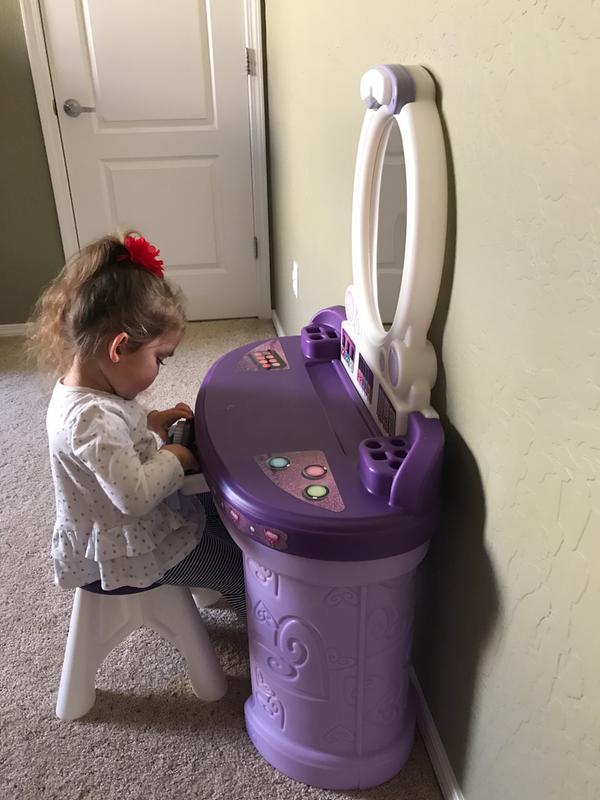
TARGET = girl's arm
x,y
101,440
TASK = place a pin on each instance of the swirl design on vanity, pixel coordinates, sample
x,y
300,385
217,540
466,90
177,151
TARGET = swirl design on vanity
x,y
342,594
264,575
268,700
291,650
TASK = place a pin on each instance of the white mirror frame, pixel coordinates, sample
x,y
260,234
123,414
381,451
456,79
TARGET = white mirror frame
x,y
402,359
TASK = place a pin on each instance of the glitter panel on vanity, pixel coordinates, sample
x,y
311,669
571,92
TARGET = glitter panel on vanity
x,y
267,357
305,475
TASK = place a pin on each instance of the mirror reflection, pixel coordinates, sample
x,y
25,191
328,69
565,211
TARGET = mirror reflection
x,y
391,232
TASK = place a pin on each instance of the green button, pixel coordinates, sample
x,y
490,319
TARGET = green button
x,y
278,462
316,492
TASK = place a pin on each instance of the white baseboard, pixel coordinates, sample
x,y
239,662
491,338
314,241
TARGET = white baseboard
x,y
17,329
435,749
277,324
20,328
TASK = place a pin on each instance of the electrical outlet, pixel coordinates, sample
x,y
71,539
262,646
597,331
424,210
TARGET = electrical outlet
x,y
295,278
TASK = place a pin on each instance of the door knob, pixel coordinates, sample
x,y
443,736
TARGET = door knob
x,y
73,108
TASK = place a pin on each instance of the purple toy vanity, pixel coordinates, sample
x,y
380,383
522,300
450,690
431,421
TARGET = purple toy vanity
x,y
324,460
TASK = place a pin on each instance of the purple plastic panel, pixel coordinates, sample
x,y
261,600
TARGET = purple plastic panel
x,y
310,406
379,459
332,316
320,339
405,469
394,367
320,342
403,88
416,485
331,703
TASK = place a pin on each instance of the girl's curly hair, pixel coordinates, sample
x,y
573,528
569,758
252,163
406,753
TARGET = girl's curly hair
x,y
100,293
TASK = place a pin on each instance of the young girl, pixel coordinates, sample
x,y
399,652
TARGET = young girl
x,y
105,325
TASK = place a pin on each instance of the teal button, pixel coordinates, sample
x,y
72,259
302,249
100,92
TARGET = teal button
x,y
316,492
278,462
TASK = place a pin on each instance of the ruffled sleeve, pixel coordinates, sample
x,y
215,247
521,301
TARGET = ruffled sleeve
x,y
102,440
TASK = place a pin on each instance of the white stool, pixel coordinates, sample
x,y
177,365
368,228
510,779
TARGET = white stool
x,y
99,622
205,598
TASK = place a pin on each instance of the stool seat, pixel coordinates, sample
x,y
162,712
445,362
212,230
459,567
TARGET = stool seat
x,y
101,620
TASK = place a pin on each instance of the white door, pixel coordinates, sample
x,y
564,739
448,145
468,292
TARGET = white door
x,y
166,148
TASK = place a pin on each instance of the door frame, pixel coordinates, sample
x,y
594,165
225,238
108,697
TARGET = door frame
x,y
44,93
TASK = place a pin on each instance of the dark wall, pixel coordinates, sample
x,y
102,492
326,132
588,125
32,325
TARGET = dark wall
x,y
30,244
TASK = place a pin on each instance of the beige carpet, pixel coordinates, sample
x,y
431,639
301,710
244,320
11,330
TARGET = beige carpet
x,y
148,736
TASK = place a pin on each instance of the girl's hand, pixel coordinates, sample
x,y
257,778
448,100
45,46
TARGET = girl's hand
x,y
161,421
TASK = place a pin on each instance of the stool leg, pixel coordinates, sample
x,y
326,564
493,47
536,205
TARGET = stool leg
x,y
203,598
98,624
171,611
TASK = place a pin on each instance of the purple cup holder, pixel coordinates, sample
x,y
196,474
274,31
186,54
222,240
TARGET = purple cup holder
x,y
377,465
381,460
406,469
320,342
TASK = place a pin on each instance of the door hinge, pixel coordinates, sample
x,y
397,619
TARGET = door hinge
x,y
255,247
250,61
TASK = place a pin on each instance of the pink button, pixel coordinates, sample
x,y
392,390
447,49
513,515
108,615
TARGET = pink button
x,y
234,515
314,471
271,536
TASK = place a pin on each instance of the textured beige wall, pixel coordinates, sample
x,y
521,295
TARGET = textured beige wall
x,y
507,647
30,247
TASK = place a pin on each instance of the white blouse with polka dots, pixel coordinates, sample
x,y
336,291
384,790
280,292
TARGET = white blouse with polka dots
x,y
111,482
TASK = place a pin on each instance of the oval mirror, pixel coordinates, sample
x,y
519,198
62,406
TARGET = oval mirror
x,y
391,231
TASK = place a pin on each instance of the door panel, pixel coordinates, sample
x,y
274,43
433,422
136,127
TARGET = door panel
x,y
164,84
167,148
185,196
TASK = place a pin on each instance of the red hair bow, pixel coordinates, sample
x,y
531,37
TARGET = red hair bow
x,y
144,255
